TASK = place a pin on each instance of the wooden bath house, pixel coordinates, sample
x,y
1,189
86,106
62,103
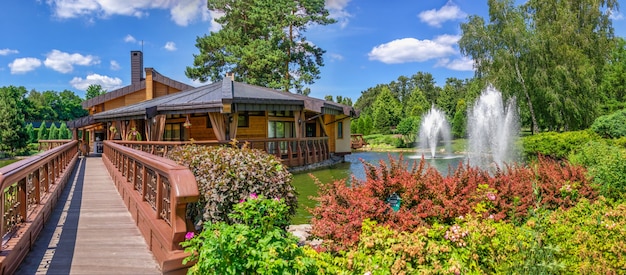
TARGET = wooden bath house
x,y
155,113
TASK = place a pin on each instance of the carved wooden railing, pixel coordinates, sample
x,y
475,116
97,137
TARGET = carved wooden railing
x,y
30,189
292,151
156,191
52,143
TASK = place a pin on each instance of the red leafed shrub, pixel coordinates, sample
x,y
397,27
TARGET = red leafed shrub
x,y
427,197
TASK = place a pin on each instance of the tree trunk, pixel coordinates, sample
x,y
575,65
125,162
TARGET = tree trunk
x,y
535,126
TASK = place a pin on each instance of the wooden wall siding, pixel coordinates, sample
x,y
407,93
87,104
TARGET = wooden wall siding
x,y
331,129
135,97
343,145
199,131
257,128
112,104
162,90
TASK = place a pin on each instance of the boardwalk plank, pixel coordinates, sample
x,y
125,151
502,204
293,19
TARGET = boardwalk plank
x,y
90,231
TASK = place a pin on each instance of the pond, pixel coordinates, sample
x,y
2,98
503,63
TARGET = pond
x,y
307,188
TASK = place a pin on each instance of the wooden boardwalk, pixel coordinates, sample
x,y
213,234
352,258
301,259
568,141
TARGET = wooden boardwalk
x,y
90,231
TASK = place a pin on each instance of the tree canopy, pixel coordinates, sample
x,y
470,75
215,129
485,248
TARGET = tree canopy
x,y
262,43
550,54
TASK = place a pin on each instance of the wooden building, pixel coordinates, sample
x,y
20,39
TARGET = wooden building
x,y
300,129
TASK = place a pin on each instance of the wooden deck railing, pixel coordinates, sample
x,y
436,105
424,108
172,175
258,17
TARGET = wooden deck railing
x,y
30,189
156,191
45,145
292,151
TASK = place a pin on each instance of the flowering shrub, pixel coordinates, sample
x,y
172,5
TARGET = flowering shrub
x,y
585,239
226,175
428,197
254,243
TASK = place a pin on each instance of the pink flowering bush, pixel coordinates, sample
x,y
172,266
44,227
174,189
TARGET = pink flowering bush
x,y
228,175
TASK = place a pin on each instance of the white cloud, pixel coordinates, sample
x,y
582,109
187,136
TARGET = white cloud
x,y
170,46
64,62
107,83
114,65
129,39
8,51
215,27
458,64
337,10
24,65
335,57
435,17
414,50
182,12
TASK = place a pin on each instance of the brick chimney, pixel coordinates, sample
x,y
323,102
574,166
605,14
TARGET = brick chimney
x,y
136,66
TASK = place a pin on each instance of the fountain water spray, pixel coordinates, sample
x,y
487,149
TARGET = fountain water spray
x,y
492,129
434,128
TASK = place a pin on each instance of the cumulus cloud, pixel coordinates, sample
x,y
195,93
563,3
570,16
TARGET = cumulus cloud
x,y
24,65
107,83
130,39
337,10
214,26
114,65
335,57
435,17
414,50
170,46
64,62
457,64
182,12
8,51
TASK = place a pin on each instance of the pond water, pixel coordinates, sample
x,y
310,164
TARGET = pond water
x,y
307,188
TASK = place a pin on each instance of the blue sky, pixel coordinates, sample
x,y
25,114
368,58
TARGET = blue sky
x,y
70,44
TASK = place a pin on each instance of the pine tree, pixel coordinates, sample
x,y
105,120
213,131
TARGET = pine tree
x,y
30,131
54,132
43,132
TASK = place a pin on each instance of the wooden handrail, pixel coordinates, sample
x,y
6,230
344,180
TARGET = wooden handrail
x,y
156,190
51,143
30,189
292,151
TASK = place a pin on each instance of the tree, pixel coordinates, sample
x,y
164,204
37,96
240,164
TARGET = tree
x,y
30,132
64,132
459,121
550,54
408,128
262,43
368,125
69,107
13,134
53,132
416,104
425,82
614,83
94,90
43,131
387,111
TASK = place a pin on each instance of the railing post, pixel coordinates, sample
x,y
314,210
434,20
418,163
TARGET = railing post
x,y
23,200
37,186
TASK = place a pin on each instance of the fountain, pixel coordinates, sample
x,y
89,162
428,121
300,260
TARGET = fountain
x,y
433,130
492,130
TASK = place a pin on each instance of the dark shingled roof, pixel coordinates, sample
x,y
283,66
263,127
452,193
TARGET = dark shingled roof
x,y
213,97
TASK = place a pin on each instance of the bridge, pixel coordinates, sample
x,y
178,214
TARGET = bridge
x,y
121,213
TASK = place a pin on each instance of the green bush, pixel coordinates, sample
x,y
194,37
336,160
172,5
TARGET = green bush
x,y
555,145
227,175
606,164
255,243
611,125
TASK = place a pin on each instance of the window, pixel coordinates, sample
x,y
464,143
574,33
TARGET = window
x,y
173,132
310,130
280,129
243,120
340,129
